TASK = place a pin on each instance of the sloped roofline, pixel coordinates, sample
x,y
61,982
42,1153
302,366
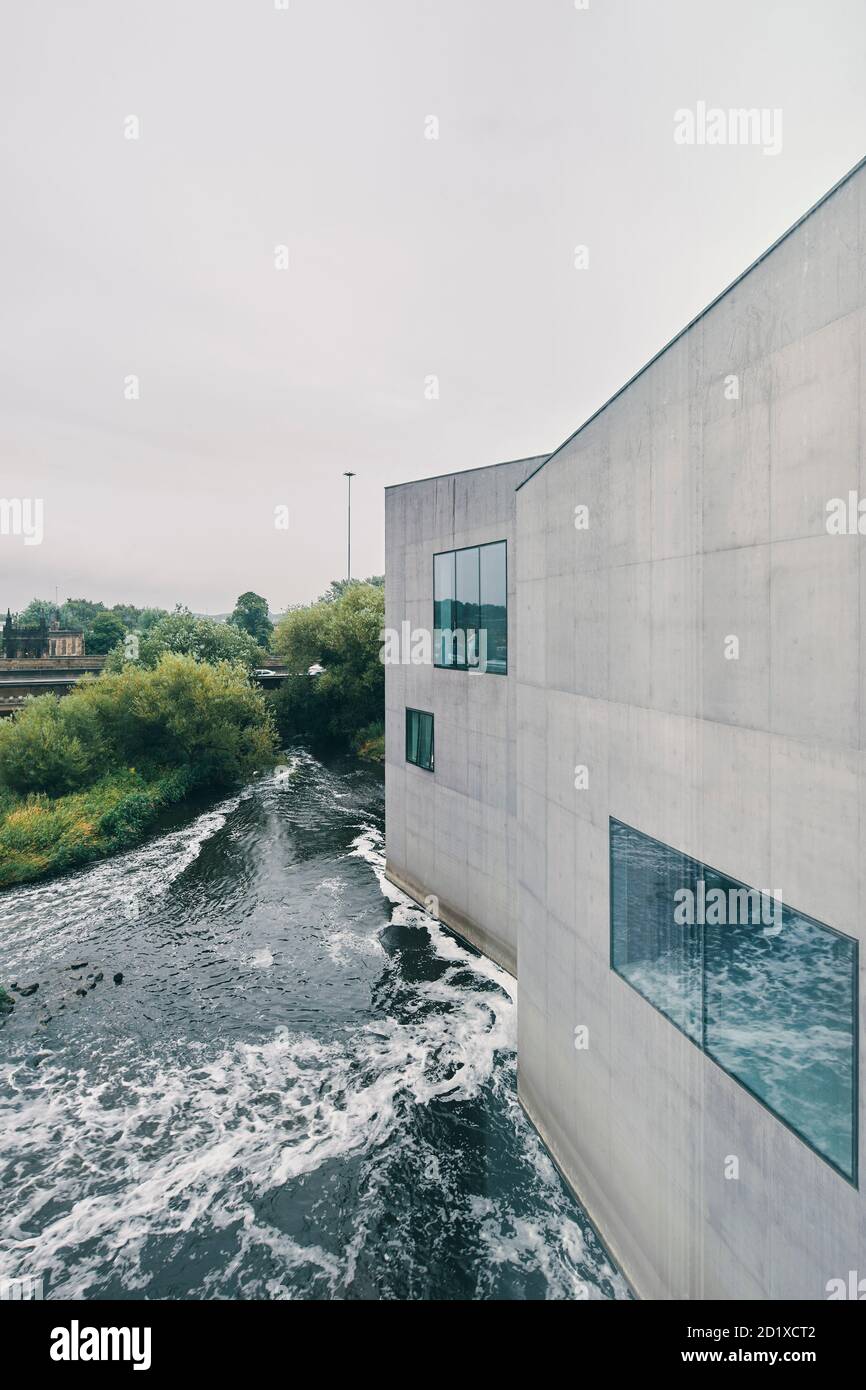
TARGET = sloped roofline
x,y
460,472
763,256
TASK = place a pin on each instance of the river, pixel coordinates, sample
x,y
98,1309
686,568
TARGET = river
x,y
302,1086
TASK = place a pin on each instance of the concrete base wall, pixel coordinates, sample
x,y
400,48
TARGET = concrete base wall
x,y
487,943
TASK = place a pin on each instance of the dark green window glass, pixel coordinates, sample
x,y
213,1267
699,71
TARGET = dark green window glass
x,y
466,608
768,993
419,738
494,609
470,608
444,592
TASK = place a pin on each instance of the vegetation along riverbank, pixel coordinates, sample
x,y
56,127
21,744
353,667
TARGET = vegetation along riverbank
x,y
176,712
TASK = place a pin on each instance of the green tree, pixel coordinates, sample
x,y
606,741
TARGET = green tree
x,y
251,615
80,612
338,587
106,630
36,610
147,617
38,753
342,634
180,714
184,634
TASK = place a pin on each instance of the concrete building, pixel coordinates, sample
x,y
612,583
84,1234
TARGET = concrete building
x,y
679,723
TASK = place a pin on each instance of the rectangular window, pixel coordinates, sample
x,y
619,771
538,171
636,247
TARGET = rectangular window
x,y
419,738
768,993
470,609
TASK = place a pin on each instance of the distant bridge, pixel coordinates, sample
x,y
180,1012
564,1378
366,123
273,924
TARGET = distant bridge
x,y
20,677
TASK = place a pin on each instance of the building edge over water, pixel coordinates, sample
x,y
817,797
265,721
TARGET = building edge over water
x,y
670,700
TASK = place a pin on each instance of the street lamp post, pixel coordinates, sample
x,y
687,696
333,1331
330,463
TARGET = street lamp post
x,y
349,477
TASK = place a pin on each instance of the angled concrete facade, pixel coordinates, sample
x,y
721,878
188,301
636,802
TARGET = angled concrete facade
x,y
705,482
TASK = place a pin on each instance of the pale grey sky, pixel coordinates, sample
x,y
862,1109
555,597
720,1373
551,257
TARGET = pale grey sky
x,y
408,257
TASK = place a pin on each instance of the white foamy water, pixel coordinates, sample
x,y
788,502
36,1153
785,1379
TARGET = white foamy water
x,y
344,1152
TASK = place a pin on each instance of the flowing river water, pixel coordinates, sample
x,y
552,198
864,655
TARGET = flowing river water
x,y
302,1086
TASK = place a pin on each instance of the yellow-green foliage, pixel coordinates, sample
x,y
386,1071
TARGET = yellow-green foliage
x,y
41,834
86,775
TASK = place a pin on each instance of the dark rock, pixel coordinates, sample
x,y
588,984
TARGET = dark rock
x,y
118,979
97,977
81,991
79,965
27,990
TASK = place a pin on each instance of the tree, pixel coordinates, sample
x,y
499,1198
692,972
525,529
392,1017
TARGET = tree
x,y
251,615
147,617
39,754
338,587
106,630
342,634
181,714
80,612
36,610
203,639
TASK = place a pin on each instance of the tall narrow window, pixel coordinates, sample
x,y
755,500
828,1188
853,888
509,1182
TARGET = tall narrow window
x,y
466,608
444,591
419,738
768,993
494,607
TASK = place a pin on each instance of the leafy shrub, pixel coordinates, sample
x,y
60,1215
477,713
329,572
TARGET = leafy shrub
x,y
369,744
342,634
183,634
182,713
39,752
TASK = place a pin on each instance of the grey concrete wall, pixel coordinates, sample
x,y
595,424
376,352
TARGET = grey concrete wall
x,y
707,518
451,833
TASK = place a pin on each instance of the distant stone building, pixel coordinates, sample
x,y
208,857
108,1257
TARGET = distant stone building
x,y
44,640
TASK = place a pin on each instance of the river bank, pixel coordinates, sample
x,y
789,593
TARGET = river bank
x,y
42,835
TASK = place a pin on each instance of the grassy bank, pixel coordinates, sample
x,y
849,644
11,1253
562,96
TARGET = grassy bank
x,y
42,835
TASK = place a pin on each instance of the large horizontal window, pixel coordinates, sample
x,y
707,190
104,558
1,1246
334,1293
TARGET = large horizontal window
x,y
419,738
768,993
470,609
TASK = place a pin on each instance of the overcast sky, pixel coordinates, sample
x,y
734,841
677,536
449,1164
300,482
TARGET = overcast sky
x,y
409,257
